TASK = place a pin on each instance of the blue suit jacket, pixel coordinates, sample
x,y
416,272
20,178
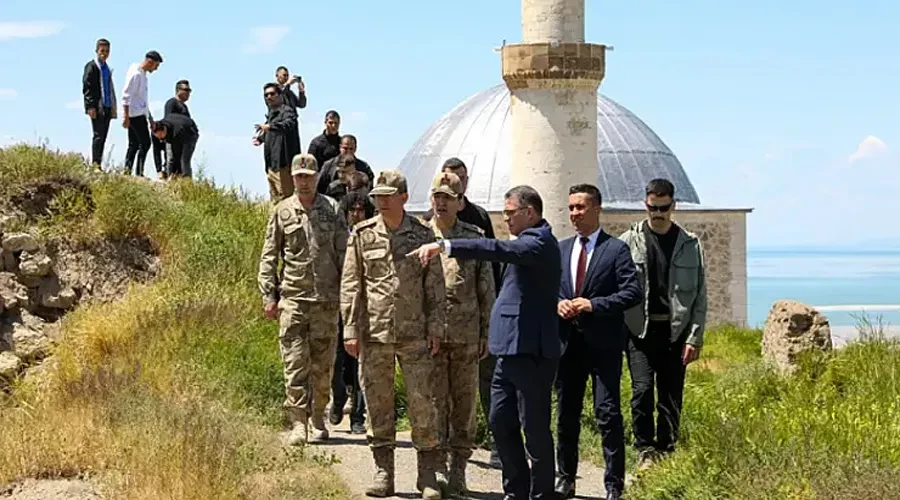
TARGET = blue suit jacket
x,y
612,286
524,319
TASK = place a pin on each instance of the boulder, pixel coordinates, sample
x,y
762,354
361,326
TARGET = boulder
x,y
34,264
792,328
10,365
19,242
12,294
30,345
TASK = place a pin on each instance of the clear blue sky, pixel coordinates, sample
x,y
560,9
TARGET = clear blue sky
x,y
789,107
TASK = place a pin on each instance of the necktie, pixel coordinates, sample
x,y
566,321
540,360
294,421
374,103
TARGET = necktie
x,y
582,264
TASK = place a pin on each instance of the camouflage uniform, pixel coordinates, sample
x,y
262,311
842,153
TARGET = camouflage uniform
x,y
390,303
311,244
470,297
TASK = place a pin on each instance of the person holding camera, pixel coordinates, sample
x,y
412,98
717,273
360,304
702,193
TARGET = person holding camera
x,y
296,101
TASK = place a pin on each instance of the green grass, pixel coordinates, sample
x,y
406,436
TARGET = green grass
x,y
175,390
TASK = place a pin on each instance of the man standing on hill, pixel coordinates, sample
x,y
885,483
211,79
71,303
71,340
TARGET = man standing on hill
x,y
471,213
470,297
178,106
136,108
393,309
295,101
280,139
667,327
309,234
99,99
327,145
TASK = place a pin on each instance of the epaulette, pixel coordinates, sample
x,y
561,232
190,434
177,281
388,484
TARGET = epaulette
x,y
470,227
359,226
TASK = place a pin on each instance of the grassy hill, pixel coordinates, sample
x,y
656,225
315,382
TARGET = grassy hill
x,y
174,391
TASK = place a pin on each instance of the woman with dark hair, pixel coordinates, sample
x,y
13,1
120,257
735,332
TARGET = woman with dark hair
x,y
357,207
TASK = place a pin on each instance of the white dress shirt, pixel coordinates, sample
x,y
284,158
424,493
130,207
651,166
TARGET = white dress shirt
x,y
135,94
576,251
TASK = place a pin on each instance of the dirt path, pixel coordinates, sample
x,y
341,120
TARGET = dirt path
x,y
484,482
45,489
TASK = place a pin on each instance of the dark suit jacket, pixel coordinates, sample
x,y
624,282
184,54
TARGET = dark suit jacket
x,y
612,286
524,319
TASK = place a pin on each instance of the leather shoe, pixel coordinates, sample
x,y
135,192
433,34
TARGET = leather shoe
x,y
565,488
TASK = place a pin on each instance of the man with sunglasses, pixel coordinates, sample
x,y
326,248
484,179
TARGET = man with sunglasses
x,y
279,135
177,105
666,329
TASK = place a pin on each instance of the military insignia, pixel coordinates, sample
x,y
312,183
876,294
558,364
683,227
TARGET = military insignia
x,y
285,213
368,237
324,217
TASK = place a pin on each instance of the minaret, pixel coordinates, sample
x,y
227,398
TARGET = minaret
x,y
553,78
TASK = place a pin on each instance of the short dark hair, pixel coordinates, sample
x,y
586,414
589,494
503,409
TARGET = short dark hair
x,y
332,114
281,68
182,82
661,187
528,197
101,42
154,56
454,163
351,137
356,197
588,189
272,85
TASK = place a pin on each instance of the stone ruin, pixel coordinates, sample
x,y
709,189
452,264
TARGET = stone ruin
x,y
791,329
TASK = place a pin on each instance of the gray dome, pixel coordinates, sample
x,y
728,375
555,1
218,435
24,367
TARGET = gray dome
x,y
477,131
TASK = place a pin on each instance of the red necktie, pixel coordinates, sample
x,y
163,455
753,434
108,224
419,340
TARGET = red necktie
x,y
582,264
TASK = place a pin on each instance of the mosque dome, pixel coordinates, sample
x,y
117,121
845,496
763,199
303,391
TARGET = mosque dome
x,y
477,131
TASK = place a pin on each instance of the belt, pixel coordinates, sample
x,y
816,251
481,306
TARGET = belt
x,y
658,317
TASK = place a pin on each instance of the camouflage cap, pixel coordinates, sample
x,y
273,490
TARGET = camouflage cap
x,y
448,184
389,182
304,164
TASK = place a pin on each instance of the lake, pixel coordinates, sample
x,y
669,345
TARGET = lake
x,y
840,283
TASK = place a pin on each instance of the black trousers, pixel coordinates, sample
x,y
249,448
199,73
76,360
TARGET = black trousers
x,y
346,374
656,361
100,127
161,157
520,398
604,368
179,156
138,145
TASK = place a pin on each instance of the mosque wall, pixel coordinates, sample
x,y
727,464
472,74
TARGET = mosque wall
x,y
723,234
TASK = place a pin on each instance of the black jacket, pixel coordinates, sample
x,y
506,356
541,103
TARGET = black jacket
x,y
328,173
292,99
179,128
92,89
174,106
325,147
281,141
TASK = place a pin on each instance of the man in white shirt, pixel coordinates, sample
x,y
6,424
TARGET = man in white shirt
x,y
136,110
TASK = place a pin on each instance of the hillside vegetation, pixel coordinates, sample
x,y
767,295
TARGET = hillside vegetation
x,y
174,391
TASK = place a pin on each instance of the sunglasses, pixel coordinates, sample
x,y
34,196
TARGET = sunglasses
x,y
659,208
185,89
270,94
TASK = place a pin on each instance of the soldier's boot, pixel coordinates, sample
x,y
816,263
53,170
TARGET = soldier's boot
x,y
457,479
319,431
383,481
300,428
426,481
440,469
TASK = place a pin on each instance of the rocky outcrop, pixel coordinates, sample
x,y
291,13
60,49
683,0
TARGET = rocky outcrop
x,y
32,298
791,329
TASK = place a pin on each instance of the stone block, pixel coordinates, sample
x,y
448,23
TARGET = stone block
x,y
12,294
34,264
19,242
793,328
10,365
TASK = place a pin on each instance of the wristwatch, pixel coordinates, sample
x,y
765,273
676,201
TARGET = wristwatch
x,y
442,244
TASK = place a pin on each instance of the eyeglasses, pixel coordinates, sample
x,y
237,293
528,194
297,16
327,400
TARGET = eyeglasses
x,y
659,208
270,94
185,89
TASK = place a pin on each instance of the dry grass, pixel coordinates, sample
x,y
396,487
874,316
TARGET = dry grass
x,y
173,391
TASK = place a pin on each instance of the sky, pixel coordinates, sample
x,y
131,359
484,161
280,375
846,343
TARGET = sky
x,y
790,108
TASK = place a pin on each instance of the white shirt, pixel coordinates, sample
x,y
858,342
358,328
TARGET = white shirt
x,y
576,251
135,94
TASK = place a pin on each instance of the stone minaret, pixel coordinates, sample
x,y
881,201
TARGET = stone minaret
x,y
553,78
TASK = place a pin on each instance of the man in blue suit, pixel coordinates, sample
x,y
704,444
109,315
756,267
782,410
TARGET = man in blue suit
x,y
524,335
599,282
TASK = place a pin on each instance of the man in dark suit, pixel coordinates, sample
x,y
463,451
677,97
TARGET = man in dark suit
x,y
599,282
524,335
99,99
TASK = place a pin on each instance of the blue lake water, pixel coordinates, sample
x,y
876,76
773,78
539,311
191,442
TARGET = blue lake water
x,y
826,278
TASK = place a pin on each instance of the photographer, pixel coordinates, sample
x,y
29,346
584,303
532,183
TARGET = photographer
x,y
295,101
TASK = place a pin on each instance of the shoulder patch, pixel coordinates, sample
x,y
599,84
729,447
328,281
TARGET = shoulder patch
x,y
359,226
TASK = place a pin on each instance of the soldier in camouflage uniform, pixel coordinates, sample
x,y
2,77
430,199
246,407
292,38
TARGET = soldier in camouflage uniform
x,y
393,309
309,234
470,297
